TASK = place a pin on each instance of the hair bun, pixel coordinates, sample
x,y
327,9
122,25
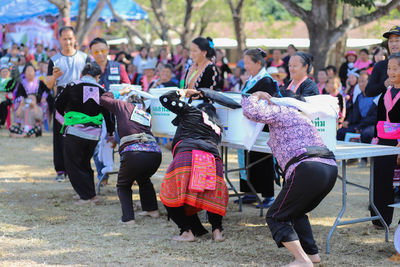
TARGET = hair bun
x,y
262,52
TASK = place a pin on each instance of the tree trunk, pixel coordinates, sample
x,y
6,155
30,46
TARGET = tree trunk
x,y
64,11
187,23
237,23
322,26
319,48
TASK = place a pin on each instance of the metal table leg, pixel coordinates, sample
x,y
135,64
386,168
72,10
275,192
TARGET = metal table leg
x,y
224,156
338,220
339,217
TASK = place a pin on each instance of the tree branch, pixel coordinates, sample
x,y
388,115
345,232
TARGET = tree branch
x,y
295,9
127,24
356,22
198,6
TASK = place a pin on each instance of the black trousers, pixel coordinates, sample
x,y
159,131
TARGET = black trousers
x,y
193,223
261,175
137,166
58,144
4,110
77,155
383,183
309,184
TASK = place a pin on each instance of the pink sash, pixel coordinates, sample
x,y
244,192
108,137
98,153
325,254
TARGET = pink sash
x,y
297,86
203,173
389,102
388,130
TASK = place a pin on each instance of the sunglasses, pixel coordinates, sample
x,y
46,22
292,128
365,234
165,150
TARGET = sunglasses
x,y
98,52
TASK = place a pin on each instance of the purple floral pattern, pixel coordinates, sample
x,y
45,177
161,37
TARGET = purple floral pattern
x,y
144,147
290,131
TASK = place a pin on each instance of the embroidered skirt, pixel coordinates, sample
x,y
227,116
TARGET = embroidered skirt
x,y
175,188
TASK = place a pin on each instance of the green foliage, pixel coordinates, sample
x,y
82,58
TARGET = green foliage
x,y
278,11
366,3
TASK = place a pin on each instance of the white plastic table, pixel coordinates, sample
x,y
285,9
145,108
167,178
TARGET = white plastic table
x,y
345,151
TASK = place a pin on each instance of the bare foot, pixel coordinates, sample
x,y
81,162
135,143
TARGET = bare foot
x,y
184,237
95,199
82,202
76,197
297,263
218,236
315,258
152,214
131,222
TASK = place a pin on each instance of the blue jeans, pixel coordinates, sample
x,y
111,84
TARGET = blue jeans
x,y
98,163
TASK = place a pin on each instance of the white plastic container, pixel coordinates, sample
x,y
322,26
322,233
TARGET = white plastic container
x,y
233,121
161,118
326,127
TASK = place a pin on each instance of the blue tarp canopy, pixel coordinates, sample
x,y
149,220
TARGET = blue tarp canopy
x,y
19,10
127,9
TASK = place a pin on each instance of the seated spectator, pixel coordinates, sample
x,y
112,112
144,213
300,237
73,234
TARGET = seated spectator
x,y
350,92
276,60
234,79
163,56
182,66
291,49
8,83
27,54
244,76
30,85
12,57
278,76
283,77
140,60
31,116
40,56
379,54
347,67
148,75
223,70
331,71
322,79
132,73
165,79
178,54
363,118
333,88
363,62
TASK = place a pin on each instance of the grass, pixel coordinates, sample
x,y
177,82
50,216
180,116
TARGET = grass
x,y
40,226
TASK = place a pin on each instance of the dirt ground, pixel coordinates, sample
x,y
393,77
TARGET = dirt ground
x,y
40,225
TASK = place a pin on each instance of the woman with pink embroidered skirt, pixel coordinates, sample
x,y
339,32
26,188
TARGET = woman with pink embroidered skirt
x,y
309,171
194,180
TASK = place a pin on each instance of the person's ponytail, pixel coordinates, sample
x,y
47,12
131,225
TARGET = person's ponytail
x,y
92,69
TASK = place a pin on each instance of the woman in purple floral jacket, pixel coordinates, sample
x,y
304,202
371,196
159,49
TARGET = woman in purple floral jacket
x,y
310,173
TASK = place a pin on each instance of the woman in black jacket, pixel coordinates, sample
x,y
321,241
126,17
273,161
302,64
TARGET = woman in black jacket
x,y
195,154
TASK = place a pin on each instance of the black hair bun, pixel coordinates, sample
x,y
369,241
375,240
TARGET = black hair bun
x,y
209,38
262,52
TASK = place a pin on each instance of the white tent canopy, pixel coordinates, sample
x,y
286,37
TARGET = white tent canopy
x,y
260,42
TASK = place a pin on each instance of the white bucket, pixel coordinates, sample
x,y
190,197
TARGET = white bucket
x,y
161,117
233,121
326,127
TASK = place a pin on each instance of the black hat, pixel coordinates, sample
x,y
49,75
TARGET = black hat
x,y
393,30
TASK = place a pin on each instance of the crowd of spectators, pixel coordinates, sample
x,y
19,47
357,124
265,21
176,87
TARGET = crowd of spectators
x,y
166,67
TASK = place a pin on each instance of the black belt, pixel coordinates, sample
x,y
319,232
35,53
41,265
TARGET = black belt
x,y
312,152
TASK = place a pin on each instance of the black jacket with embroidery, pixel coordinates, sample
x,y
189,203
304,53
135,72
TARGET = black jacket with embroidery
x,y
71,99
195,130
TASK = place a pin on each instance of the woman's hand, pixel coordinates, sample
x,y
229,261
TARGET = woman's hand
x,y
191,92
263,95
125,91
